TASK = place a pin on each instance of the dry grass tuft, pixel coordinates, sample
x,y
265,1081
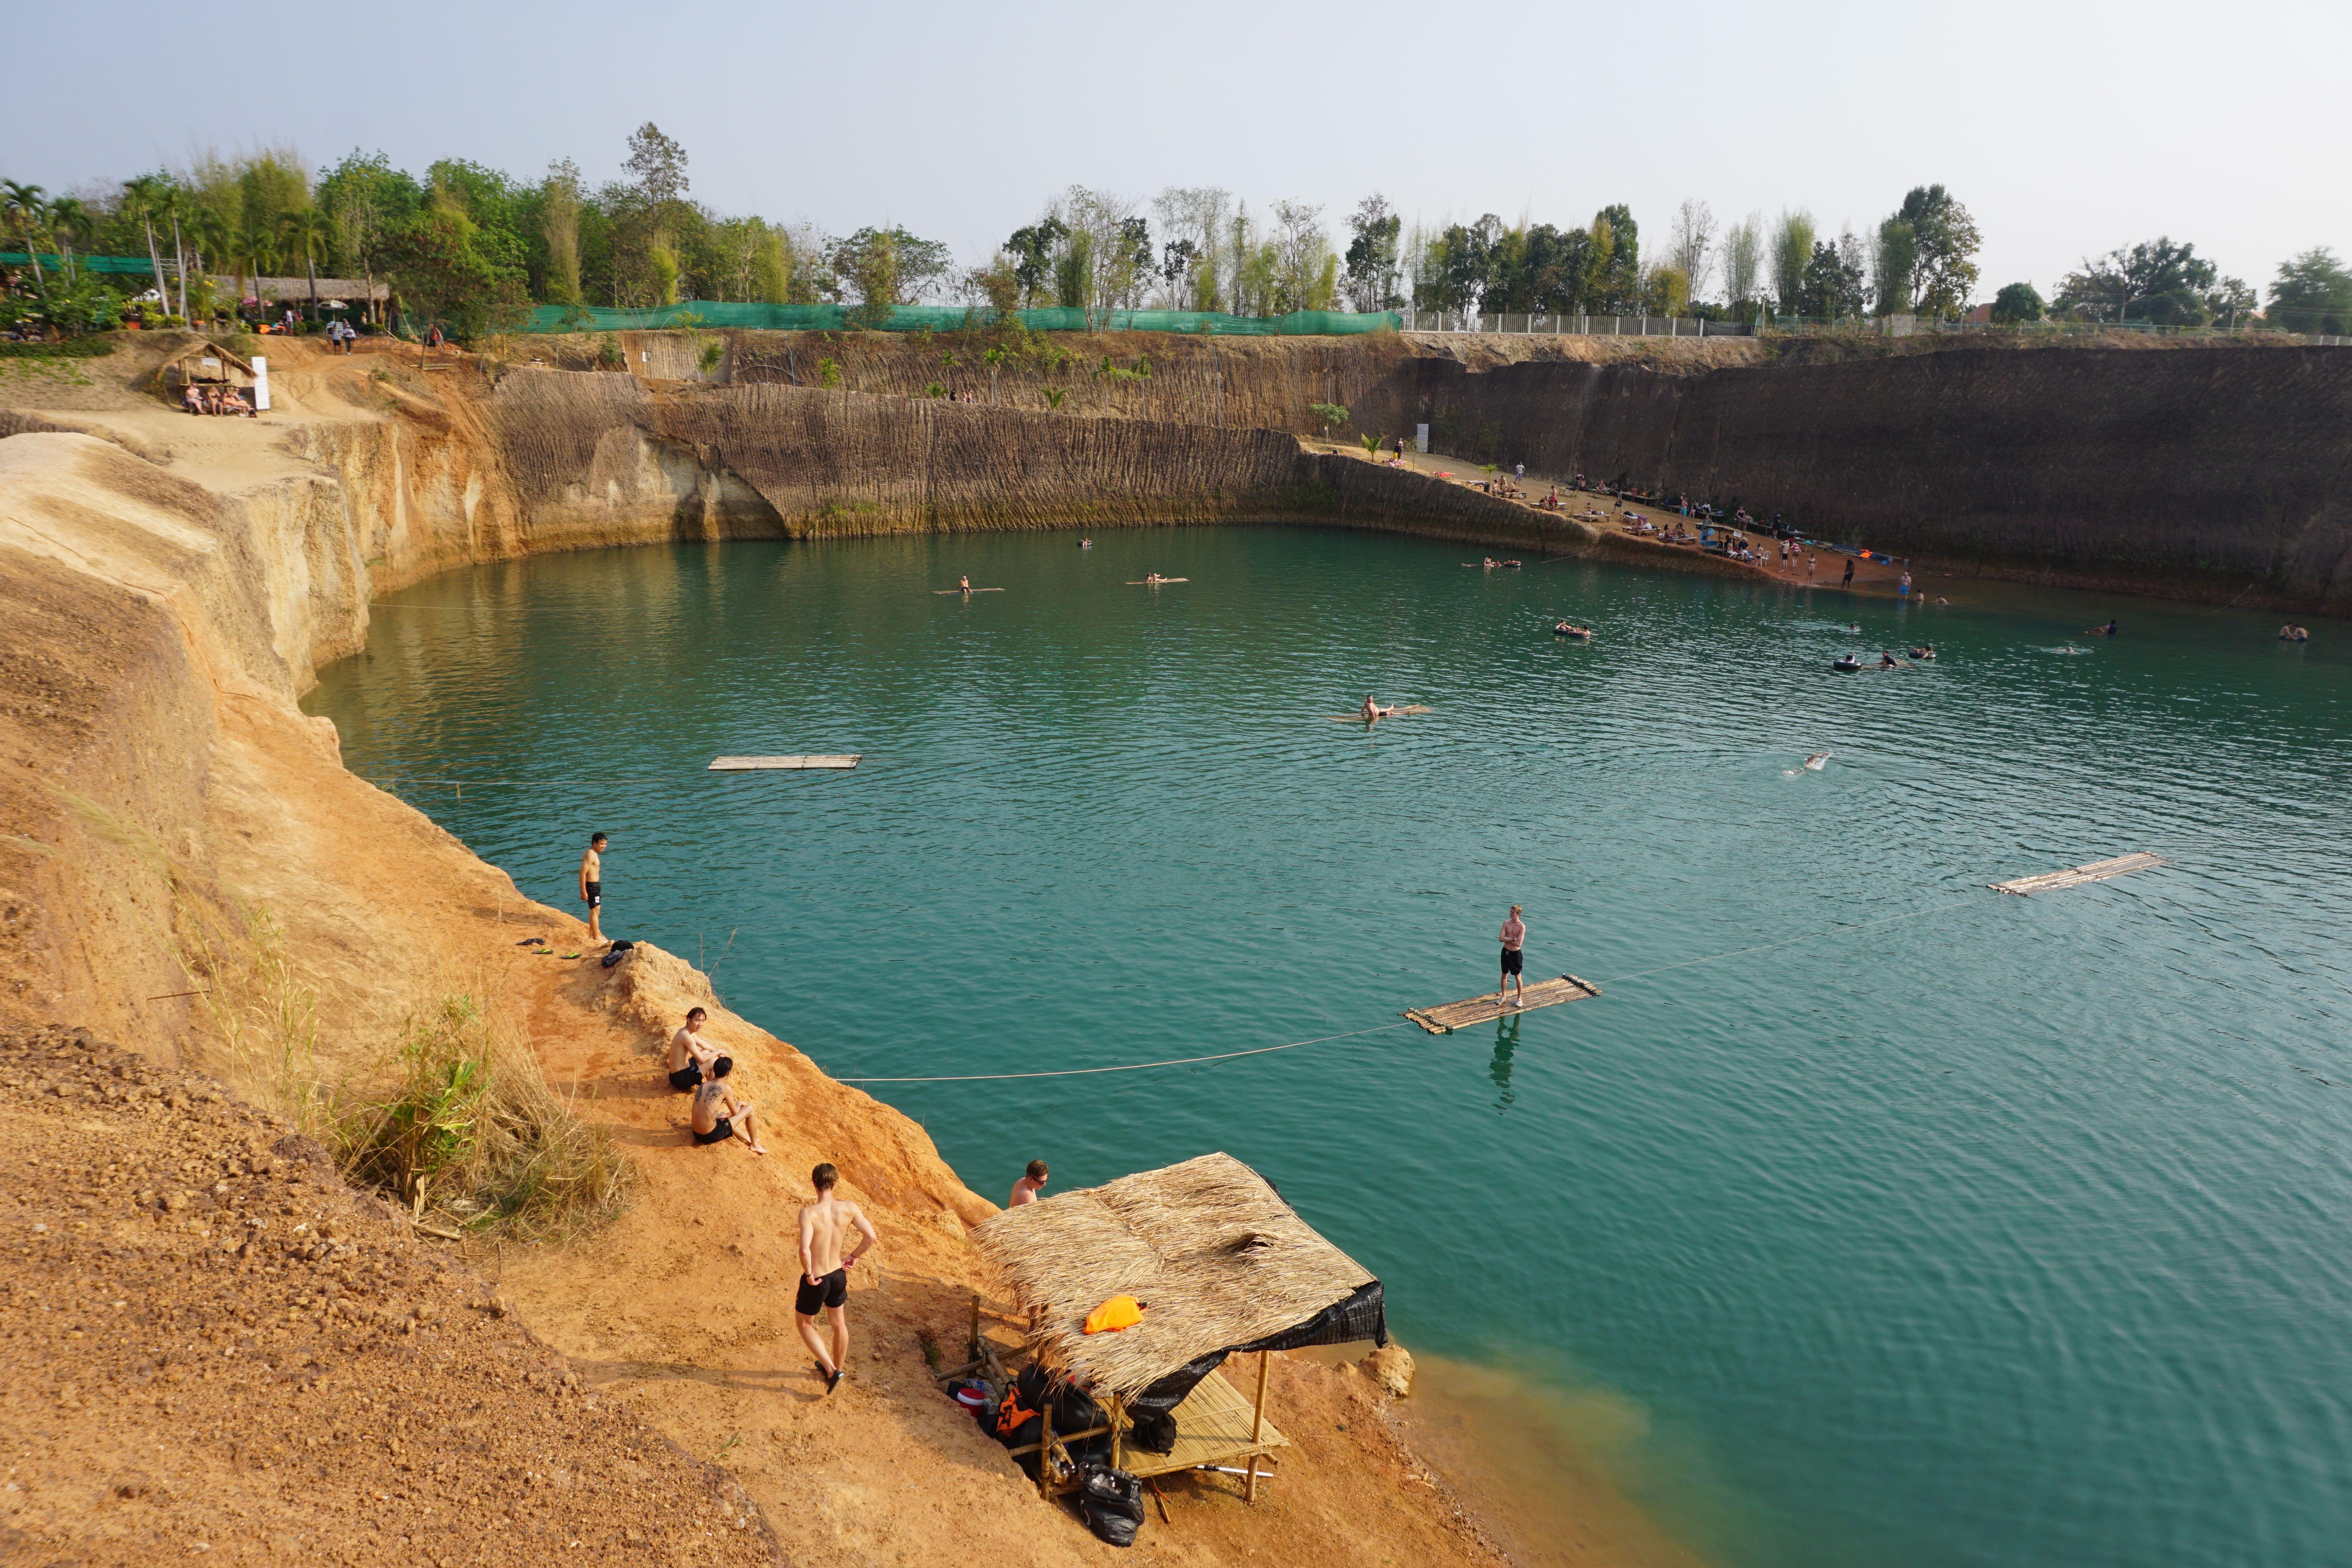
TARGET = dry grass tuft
x,y
470,1130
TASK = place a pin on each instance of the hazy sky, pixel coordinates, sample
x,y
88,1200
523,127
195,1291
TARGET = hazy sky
x,y
2065,128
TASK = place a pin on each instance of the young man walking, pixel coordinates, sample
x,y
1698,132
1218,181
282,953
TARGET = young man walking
x,y
591,884
1515,936
825,1273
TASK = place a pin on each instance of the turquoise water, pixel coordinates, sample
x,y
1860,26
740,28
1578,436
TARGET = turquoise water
x,y
1929,1226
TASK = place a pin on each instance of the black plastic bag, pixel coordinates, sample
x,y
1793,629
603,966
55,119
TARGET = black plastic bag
x,y
1111,1502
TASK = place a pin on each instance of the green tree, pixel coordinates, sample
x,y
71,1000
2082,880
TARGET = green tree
x,y
2018,302
867,261
1791,253
443,274
1371,275
1944,238
1896,261
2158,282
2312,293
1615,271
559,220
309,233
371,202
1743,262
140,198
1834,286
252,245
71,219
24,204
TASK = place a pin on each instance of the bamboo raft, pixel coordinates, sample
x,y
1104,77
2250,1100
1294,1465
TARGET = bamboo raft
x,y
967,590
2075,876
1487,1009
769,765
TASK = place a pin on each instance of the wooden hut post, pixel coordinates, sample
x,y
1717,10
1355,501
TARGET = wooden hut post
x,y
1257,1428
1117,1432
1046,1445
977,1354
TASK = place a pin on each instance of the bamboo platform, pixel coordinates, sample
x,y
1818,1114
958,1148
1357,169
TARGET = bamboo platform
x,y
769,765
1214,1426
2075,876
1487,1009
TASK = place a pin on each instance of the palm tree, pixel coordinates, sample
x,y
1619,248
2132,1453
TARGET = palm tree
x,y
306,232
140,199
69,216
208,232
24,200
174,206
253,245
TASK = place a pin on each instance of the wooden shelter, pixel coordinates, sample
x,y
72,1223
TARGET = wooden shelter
x,y
205,363
1222,1265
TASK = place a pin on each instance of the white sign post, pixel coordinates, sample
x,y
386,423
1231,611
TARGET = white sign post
x,y
1421,437
260,385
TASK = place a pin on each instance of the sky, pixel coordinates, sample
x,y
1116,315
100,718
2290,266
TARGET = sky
x,y
2066,129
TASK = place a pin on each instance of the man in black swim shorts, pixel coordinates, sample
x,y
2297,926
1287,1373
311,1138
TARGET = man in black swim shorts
x,y
591,884
690,1053
1515,936
825,1274
716,1111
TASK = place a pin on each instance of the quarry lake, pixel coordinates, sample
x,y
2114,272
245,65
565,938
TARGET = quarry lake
x,y
1869,1217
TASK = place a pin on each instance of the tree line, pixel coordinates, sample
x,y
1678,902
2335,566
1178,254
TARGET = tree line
x,y
476,248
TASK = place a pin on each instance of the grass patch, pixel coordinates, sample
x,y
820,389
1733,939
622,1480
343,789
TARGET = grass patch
x,y
71,348
470,1130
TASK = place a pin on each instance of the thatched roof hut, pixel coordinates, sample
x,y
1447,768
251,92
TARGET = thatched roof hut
x,y
1220,1262
202,361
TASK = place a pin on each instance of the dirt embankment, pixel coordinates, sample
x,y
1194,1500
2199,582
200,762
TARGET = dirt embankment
x,y
186,866
2185,468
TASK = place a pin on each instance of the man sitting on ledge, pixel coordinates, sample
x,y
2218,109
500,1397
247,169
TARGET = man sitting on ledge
x,y
716,1111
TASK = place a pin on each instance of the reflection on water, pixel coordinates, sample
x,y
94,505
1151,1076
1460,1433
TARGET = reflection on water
x,y
1507,1040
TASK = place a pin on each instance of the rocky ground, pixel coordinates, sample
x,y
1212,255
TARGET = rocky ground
x,y
214,1348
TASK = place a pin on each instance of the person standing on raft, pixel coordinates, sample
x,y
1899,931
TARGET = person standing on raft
x,y
1514,937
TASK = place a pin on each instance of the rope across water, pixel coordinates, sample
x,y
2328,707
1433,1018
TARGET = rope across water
x,y
1401,1023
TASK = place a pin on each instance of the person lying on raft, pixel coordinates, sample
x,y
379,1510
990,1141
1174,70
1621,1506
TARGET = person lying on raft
x,y
1565,629
1372,710
1886,661
1153,579
1492,563
2107,631
690,1055
716,1111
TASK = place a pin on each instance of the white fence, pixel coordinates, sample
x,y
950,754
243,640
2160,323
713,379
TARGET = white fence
x,y
1540,325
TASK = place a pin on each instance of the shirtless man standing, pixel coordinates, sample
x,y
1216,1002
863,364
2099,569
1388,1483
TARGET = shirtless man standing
x,y
690,1055
825,1273
718,1115
1514,937
591,884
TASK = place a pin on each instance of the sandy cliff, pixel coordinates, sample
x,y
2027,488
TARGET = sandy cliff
x,y
170,824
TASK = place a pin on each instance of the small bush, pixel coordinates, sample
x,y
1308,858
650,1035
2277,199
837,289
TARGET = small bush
x,y
71,348
470,1122
713,352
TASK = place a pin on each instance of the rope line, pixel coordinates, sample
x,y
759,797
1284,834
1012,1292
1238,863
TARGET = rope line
x,y
1131,1067
1377,1029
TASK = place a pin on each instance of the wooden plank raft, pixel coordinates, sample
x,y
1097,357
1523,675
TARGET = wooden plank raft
x,y
2075,876
765,764
1487,1009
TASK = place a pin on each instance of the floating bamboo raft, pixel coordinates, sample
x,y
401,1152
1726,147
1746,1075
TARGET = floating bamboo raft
x,y
967,590
1487,1009
1408,710
2075,876
1148,582
766,764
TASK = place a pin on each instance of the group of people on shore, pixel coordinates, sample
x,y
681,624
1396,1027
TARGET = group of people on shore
x,y
214,397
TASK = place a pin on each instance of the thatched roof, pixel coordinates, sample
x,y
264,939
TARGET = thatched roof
x,y
1218,1258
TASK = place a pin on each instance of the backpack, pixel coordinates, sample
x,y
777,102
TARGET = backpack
x,y
1111,1502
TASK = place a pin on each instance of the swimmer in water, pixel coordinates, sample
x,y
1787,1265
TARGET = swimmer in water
x,y
1928,652
1855,628
1085,544
1492,563
1373,709
2107,631
1817,761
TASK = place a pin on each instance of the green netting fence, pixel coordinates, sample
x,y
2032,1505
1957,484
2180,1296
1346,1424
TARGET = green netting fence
x,y
85,263
952,318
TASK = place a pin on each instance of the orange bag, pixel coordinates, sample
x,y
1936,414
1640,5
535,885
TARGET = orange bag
x,y
1118,1312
